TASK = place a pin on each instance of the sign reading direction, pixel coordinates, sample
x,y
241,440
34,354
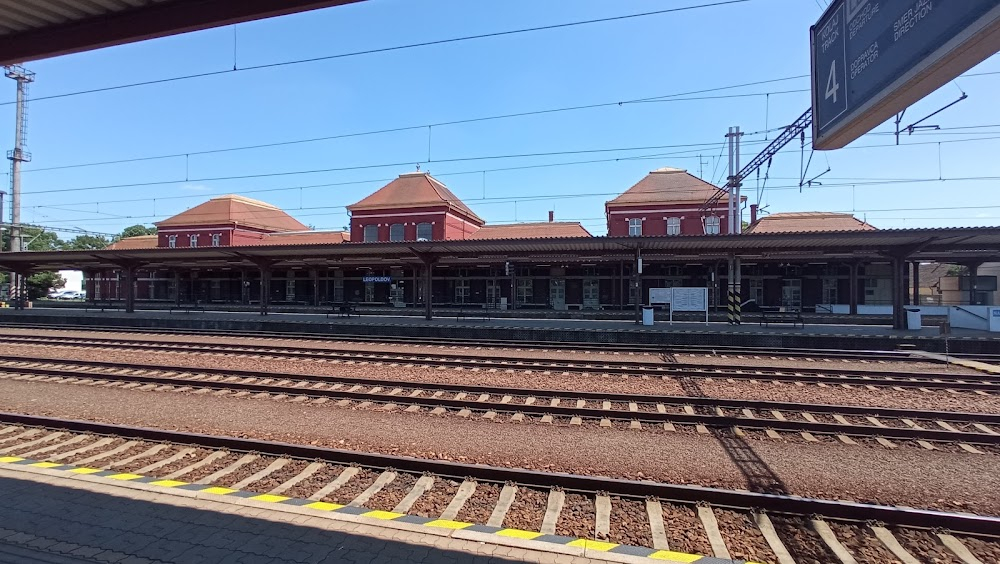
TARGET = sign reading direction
x,y
873,58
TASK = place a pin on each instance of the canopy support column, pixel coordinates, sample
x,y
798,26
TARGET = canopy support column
x,y
315,280
898,292
916,282
973,275
854,287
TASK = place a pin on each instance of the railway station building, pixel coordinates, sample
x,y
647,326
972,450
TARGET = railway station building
x,y
414,244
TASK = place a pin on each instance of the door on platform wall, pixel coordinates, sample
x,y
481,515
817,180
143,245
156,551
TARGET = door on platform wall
x,y
397,295
591,293
830,291
756,291
791,293
525,291
369,292
557,293
492,291
462,290
290,289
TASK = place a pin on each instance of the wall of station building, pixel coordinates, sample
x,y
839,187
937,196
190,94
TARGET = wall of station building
x,y
227,236
605,286
445,224
654,220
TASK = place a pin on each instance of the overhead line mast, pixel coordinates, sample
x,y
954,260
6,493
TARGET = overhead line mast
x,y
18,155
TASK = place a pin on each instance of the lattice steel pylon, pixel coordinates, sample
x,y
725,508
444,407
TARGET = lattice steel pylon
x,y
18,155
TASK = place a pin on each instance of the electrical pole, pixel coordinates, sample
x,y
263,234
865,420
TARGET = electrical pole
x,y
18,155
734,224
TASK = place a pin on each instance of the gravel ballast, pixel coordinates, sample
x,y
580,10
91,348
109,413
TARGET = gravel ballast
x,y
939,480
908,398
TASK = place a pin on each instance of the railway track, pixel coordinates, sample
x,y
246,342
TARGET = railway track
x,y
726,523
664,349
972,432
832,375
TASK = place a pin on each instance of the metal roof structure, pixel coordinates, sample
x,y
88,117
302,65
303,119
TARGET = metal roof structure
x,y
36,29
955,245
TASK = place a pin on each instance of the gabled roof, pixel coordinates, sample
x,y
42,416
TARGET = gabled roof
x,y
799,222
546,230
414,190
668,186
305,238
137,242
235,210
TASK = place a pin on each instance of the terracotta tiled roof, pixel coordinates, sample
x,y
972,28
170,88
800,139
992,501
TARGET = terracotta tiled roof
x,y
138,242
667,186
546,230
233,209
413,190
797,222
305,238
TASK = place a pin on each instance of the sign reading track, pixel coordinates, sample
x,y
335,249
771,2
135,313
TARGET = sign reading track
x,y
873,58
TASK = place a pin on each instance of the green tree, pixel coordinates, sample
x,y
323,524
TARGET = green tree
x,y
86,242
39,284
136,231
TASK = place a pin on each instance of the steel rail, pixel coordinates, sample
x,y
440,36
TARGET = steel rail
x,y
937,380
783,504
852,354
709,420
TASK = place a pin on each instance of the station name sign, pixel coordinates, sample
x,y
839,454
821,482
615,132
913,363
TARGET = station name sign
x,y
873,58
378,279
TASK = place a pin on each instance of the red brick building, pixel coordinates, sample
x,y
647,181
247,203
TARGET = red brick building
x,y
414,207
225,221
668,201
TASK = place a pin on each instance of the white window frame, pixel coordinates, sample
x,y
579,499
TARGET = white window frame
x,y
525,290
216,239
425,226
635,227
397,229
365,231
172,241
193,241
673,226
463,289
713,225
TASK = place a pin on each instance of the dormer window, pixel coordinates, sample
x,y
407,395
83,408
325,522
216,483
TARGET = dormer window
x,y
193,240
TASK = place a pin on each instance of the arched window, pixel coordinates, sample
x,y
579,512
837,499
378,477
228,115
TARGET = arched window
x,y
712,225
216,239
396,232
193,239
172,241
424,232
673,226
371,233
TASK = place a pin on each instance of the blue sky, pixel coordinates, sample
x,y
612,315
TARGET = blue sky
x,y
628,59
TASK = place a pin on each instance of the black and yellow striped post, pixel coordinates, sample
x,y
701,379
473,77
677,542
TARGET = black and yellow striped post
x,y
731,308
737,306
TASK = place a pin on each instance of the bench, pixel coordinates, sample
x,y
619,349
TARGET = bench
x,y
188,308
342,310
101,305
774,314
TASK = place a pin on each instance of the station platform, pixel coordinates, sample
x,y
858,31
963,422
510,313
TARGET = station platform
x,y
529,330
51,518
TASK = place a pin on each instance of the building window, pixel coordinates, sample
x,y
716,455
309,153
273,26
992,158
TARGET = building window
x,y
461,291
193,240
525,291
673,226
712,224
371,233
757,291
172,241
830,291
216,239
424,232
635,227
396,232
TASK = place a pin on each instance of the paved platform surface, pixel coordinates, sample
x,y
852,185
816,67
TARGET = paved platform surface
x,y
53,520
518,323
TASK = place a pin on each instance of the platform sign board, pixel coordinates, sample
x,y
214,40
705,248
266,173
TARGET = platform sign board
x,y
873,58
659,296
688,299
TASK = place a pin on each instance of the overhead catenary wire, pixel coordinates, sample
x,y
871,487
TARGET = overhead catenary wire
x,y
391,48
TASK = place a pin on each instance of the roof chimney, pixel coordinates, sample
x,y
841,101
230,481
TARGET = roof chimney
x,y
753,214
552,216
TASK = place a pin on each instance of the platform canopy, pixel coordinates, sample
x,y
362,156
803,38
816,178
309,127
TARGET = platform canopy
x,y
35,29
951,245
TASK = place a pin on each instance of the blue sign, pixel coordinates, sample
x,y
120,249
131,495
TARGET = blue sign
x,y
861,47
996,313
382,279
